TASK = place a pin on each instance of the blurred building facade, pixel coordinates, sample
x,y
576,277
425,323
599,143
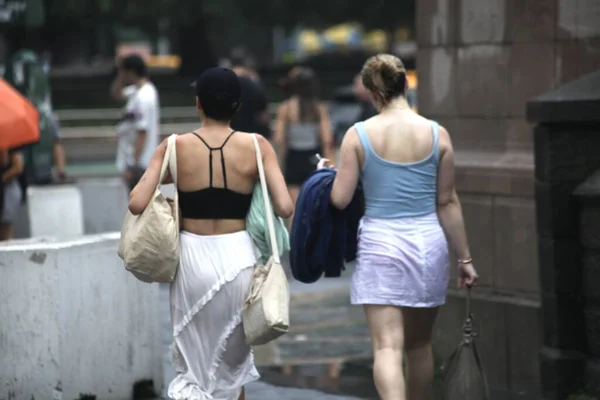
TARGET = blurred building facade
x,y
479,62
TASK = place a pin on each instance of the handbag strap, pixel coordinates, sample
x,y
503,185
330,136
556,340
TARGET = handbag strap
x,y
170,163
265,192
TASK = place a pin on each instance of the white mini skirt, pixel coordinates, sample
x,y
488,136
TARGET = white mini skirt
x,y
401,262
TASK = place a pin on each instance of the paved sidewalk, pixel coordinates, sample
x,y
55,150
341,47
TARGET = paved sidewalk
x,y
264,391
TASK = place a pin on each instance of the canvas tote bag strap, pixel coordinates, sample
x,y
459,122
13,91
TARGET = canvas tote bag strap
x,y
170,163
265,192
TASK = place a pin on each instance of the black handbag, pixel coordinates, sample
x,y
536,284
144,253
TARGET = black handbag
x,y
463,375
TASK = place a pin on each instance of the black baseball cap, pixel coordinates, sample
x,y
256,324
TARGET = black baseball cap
x,y
218,90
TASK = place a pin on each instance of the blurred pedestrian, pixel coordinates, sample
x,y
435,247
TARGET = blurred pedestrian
x,y
58,151
243,64
11,168
139,127
412,211
367,108
253,115
302,129
217,172
285,83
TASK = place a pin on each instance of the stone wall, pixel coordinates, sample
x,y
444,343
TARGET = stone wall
x,y
479,62
566,154
589,234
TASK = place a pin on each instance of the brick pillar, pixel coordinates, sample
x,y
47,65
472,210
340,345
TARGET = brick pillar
x,y
567,152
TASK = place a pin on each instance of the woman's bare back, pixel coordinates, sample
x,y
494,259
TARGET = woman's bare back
x,y
240,168
402,136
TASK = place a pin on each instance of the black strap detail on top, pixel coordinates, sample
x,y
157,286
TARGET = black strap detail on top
x,y
210,158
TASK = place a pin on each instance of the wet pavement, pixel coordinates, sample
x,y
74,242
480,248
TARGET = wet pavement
x,y
265,391
325,356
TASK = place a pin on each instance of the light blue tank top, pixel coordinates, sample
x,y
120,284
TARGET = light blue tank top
x,y
398,190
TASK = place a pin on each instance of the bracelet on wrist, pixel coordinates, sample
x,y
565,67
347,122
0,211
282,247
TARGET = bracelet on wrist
x,y
465,261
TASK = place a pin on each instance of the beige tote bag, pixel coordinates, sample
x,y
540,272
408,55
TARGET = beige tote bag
x,y
149,243
267,310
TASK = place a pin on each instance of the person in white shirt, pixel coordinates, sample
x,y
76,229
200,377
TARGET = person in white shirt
x,y
138,129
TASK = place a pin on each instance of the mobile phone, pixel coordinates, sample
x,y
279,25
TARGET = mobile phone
x,y
316,158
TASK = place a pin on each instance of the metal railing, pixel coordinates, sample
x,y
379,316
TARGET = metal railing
x,y
100,117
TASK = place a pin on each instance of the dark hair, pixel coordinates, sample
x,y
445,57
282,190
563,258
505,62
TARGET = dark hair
x,y
136,64
304,85
384,75
241,57
219,91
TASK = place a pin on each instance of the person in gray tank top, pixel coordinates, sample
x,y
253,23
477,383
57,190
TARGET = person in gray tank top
x,y
302,129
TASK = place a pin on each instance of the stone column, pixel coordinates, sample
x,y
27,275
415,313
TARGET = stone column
x,y
567,144
589,199
479,62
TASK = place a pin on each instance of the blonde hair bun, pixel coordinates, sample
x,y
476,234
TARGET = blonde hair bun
x,y
385,76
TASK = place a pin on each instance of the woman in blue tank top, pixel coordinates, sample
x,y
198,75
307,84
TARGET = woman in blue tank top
x,y
412,211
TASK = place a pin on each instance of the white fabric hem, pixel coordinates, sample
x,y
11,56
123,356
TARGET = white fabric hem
x,y
222,346
380,302
183,389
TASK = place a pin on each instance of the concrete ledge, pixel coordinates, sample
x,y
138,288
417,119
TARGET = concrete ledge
x,y
74,321
104,204
498,173
91,206
55,210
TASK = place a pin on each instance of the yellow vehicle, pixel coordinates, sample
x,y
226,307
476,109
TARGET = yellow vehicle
x,y
411,93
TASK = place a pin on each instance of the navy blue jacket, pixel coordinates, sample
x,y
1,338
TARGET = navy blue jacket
x,y
323,237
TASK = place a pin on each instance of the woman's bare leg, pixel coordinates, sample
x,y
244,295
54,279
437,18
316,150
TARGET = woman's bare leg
x,y
242,395
418,328
387,334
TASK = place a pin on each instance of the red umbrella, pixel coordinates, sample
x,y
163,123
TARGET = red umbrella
x,y
19,119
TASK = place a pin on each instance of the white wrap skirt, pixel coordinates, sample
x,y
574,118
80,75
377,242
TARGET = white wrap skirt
x,y
210,354
401,262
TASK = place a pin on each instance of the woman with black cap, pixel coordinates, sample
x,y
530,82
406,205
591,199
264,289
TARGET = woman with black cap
x,y
217,172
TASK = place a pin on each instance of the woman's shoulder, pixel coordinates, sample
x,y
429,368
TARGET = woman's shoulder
x,y
246,140
323,107
284,106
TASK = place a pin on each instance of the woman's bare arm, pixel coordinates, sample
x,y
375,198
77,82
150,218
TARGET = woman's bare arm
x,y
348,171
449,209
326,133
142,193
116,87
280,126
16,168
282,202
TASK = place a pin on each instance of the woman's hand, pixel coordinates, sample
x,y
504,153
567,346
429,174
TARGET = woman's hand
x,y
467,276
324,163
